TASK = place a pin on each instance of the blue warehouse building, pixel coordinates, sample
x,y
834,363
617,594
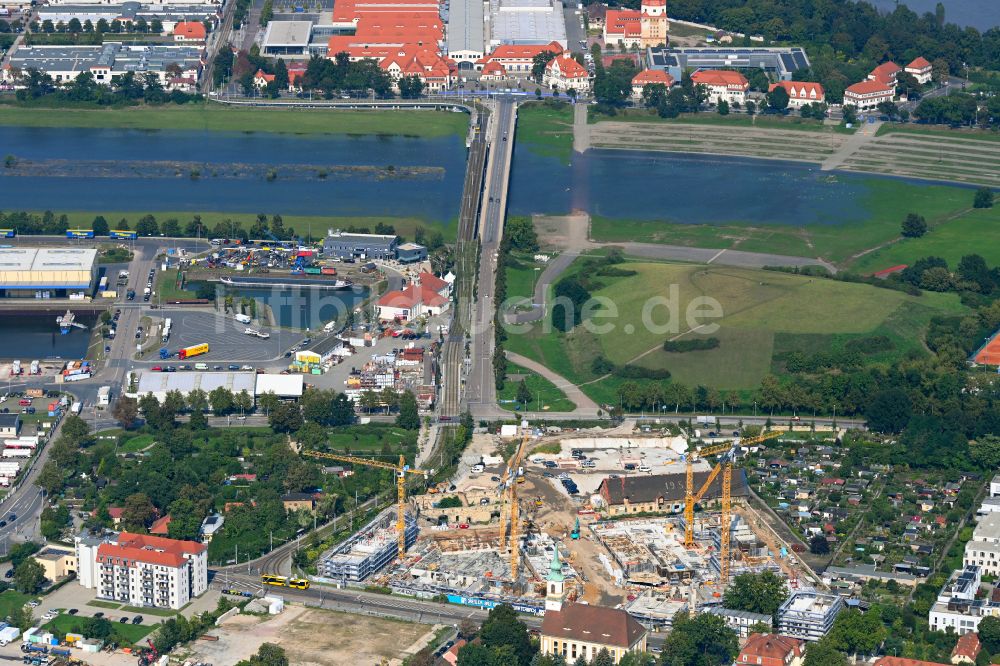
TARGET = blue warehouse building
x,y
27,272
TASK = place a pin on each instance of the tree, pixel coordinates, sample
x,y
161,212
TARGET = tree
x,y
538,64
889,410
185,519
138,512
722,107
822,653
523,393
703,640
603,658
281,74
126,412
29,576
751,107
100,226
989,633
269,654
503,629
21,617
75,428
74,26
221,400
756,593
408,416
410,87
520,232
858,633
983,198
850,114
146,226
287,417
818,545
777,99
914,226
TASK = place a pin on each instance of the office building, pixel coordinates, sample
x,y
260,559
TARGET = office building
x,y
345,245
808,615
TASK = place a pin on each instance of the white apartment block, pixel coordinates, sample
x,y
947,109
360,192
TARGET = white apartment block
x,y
957,609
808,615
143,570
983,550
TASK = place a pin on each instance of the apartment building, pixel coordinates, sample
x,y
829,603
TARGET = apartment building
x,y
957,609
722,85
808,615
983,550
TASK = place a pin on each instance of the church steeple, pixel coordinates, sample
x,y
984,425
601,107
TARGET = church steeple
x,y
555,584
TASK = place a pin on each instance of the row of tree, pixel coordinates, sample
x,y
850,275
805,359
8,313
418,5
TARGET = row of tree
x,y
128,88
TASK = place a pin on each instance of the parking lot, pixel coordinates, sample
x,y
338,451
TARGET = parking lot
x,y
225,336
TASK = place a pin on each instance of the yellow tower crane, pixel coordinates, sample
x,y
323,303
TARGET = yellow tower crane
x,y
725,465
400,470
510,509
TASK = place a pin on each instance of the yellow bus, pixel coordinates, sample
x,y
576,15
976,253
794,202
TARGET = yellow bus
x,y
282,581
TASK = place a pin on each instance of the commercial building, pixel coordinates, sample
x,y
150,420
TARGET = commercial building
x,y
781,62
10,424
661,493
644,27
27,272
466,41
169,16
143,570
411,253
104,62
771,650
287,38
518,59
722,85
577,631
160,383
742,622
983,550
345,245
867,95
527,22
152,3
801,93
288,387
369,549
808,615
57,561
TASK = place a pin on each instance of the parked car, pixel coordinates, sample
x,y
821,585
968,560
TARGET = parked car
x,y
73,611
137,619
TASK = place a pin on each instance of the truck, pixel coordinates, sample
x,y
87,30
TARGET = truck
x,y
15,368
9,635
166,330
104,396
76,408
242,318
35,368
61,651
193,350
77,377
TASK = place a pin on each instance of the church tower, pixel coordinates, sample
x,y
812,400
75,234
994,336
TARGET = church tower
x,y
555,584
653,22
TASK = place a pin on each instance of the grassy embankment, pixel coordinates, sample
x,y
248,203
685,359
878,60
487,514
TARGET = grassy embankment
x,y
886,204
216,117
545,396
764,313
790,122
547,128
64,624
938,131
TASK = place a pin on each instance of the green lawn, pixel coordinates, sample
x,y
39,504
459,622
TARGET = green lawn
x,y
546,128
938,131
104,604
11,599
370,437
131,633
137,444
159,612
887,201
305,225
760,310
790,122
166,287
522,273
545,396
975,231
217,117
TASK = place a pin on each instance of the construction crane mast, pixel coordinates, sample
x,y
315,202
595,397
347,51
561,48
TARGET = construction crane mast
x,y
400,471
725,466
509,508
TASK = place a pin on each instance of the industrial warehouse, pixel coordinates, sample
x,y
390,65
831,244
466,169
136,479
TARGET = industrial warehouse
x,y
47,272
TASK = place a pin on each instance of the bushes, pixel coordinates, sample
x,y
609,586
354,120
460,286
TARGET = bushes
x,y
694,344
602,366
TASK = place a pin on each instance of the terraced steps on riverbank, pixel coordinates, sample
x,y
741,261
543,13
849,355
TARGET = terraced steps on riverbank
x,y
961,158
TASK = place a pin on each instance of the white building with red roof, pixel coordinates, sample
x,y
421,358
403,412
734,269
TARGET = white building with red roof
x,y
189,32
517,59
493,71
261,79
867,95
649,77
921,69
428,296
623,28
885,73
722,84
143,570
565,73
801,93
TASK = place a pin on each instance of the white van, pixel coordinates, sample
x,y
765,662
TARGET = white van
x,y
201,366
478,468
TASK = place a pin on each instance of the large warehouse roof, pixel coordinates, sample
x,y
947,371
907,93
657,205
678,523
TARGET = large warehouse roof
x,y
32,267
283,386
159,383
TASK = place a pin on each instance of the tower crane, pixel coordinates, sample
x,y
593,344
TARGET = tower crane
x,y
725,466
400,470
510,509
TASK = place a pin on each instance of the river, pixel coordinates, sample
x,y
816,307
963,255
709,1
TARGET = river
x,y
980,14
432,194
298,308
31,337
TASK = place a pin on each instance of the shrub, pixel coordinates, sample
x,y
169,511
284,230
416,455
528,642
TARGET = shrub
x,y
692,344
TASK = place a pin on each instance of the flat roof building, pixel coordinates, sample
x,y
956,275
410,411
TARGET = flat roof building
x,y
369,549
783,62
360,246
168,15
160,383
527,22
466,40
287,38
26,270
808,615
283,386
104,62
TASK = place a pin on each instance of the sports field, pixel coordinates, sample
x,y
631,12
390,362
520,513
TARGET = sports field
x,y
763,312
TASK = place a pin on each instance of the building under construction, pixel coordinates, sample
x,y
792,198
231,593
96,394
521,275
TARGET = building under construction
x,y
368,550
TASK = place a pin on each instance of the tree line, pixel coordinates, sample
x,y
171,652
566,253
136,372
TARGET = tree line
x,y
126,89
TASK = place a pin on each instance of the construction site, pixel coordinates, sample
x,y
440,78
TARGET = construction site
x,y
480,543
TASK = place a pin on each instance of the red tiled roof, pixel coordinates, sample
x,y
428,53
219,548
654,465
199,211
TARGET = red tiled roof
x,y
494,68
968,645
522,51
177,546
652,76
720,77
412,296
623,22
160,526
261,75
127,556
770,646
800,89
568,67
432,281
886,72
868,88
597,624
902,661
919,63
189,30
115,512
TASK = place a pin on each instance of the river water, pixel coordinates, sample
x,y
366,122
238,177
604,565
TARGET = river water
x,y
33,337
302,309
980,14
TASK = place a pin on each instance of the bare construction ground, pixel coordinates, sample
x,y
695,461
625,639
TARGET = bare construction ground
x,y
958,158
797,145
315,637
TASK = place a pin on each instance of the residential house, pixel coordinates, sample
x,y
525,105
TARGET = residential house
x,y
649,77
261,79
966,649
867,95
190,32
885,73
722,85
564,73
771,650
161,526
921,69
451,656
298,502
801,93
426,297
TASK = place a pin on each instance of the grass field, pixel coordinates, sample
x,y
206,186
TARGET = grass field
x,y
166,286
545,396
975,231
370,437
216,117
304,225
790,122
104,604
522,273
761,309
159,612
938,131
887,202
547,129
137,444
11,599
132,633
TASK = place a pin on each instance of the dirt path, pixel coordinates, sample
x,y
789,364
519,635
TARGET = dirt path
x,y
581,129
572,391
